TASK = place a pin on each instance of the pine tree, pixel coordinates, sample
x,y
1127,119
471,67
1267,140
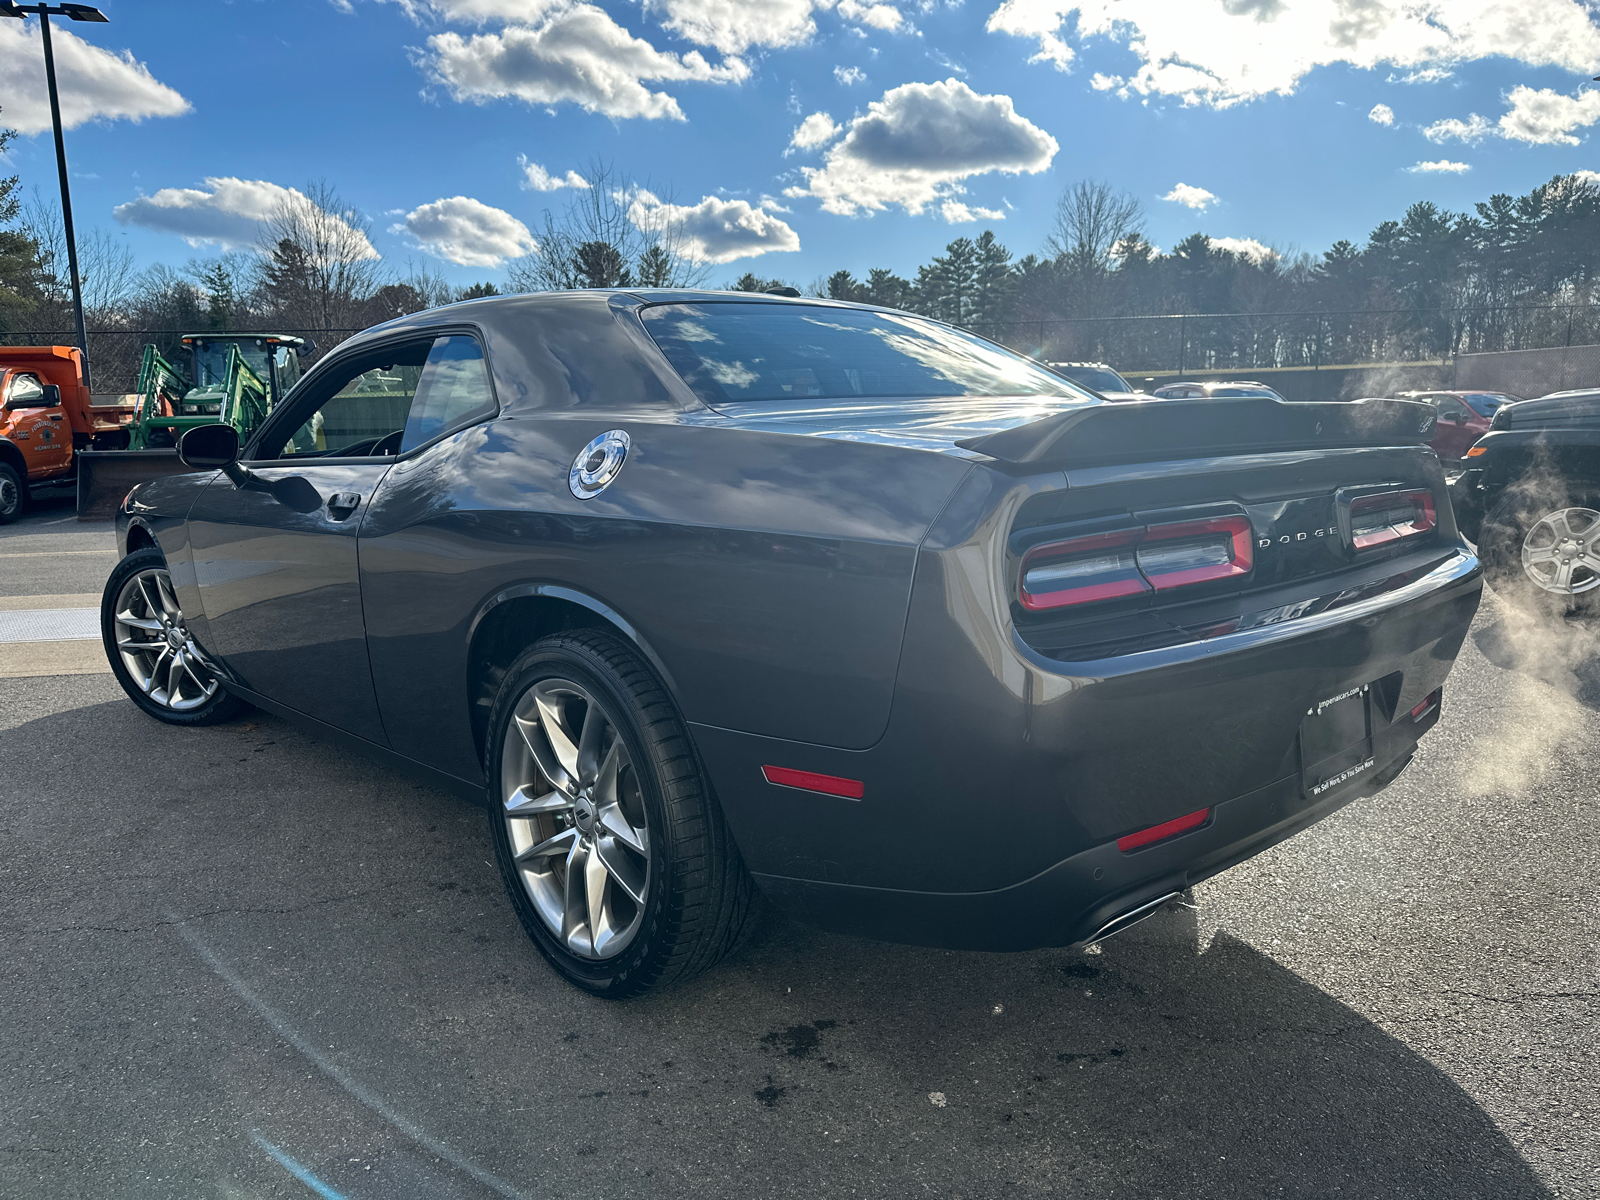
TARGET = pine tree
x,y
993,280
19,254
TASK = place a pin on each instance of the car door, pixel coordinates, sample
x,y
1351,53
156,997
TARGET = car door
x,y
39,427
275,560
1453,433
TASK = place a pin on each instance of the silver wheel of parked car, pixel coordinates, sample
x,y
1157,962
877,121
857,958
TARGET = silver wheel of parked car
x,y
1561,551
155,645
575,818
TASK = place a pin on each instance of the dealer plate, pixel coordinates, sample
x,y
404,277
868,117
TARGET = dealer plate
x,y
1336,742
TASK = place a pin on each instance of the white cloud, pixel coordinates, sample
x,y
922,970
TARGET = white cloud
x,y
715,230
956,212
879,16
469,232
579,56
1592,178
1191,197
915,146
1546,117
1256,252
816,130
227,213
1381,114
1222,52
94,84
1473,129
480,12
1104,83
1543,117
849,76
1440,166
733,26
536,178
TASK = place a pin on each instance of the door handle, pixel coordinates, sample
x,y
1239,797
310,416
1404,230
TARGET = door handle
x,y
342,504
55,416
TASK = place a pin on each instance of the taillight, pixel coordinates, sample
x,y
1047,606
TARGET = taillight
x,y
1390,516
1196,551
1126,562
1100,566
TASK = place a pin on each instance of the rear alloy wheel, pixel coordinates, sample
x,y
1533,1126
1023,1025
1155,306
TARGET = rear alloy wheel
x,y
152,653
613,851
13,495
1544,553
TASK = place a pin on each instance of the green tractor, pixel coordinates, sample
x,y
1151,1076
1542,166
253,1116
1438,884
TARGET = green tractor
x,y
232,378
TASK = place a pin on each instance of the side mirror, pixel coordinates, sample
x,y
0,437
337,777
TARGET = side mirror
x,y
212,448
308,349
52,395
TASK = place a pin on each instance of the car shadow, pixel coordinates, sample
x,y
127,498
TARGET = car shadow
x,y
329,902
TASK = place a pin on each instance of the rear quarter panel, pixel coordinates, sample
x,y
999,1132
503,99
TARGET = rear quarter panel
x,y
767,575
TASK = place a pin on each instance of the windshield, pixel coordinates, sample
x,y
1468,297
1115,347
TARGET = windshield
x,y
1231,392
1101,379
734,352
211,363
1485,404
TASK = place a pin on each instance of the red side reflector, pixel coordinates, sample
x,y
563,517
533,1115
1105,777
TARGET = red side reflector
x,y
810,781
1159,833
1429,703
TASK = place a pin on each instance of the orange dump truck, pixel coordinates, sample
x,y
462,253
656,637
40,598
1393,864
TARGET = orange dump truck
x,y
46,416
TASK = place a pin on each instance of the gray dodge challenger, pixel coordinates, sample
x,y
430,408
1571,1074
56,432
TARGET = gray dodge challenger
x,y
715,596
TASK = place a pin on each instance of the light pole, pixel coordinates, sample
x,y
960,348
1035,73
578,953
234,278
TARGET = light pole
x,y
73,12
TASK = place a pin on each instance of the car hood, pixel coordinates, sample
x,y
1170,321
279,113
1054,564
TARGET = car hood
x,y
922,424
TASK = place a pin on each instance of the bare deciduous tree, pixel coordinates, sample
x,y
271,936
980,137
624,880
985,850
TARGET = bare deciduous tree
x,y
106,267
612,233
318,265
1091,218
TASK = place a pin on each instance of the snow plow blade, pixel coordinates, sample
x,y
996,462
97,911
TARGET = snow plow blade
x,y
105,477
1155,430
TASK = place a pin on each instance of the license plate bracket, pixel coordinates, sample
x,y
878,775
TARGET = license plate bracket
x,y
1336,742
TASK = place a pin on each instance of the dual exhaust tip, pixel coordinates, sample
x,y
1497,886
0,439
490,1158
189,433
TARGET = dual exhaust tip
x,y
1132,917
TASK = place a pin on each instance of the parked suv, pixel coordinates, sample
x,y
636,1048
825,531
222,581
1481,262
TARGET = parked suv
x,y
1530,498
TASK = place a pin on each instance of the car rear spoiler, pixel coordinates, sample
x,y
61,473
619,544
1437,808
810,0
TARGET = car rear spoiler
x,y
1167,429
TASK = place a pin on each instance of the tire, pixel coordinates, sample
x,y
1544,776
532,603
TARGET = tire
x,y
662,893
1540,547
169,677
13,494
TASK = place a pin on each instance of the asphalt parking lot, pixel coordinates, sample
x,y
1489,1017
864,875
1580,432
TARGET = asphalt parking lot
x,y
237,962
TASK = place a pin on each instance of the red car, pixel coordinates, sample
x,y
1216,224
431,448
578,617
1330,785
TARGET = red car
x,y
1463,418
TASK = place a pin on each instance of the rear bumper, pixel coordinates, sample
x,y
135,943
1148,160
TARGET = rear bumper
x,y
1068,903
988,815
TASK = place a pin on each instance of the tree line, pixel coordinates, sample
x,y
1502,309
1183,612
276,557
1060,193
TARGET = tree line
x,y
1438,279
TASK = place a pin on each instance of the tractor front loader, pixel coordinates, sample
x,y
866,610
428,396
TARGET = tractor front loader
x,y
234,379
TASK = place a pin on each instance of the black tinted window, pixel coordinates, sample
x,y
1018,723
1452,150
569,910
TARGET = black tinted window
x,y
1098,378
732,352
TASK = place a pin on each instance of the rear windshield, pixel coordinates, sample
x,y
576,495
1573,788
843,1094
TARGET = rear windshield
x,y
731,352
1229,393
1101,379
1485,404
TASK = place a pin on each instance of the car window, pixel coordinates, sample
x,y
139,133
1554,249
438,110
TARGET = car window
x,y
25,389
733,352
367,404
1231,393
452,391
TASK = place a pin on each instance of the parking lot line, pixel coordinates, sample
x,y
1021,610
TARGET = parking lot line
x,y
49,625
26,660
69,600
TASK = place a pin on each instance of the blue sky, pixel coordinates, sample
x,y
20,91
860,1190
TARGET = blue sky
x,y
937,119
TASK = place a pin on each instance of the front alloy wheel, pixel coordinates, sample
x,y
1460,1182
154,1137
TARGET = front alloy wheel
x,y
151,651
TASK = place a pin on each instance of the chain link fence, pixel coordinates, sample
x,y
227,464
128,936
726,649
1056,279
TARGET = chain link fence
x,y
1243,343
115,354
